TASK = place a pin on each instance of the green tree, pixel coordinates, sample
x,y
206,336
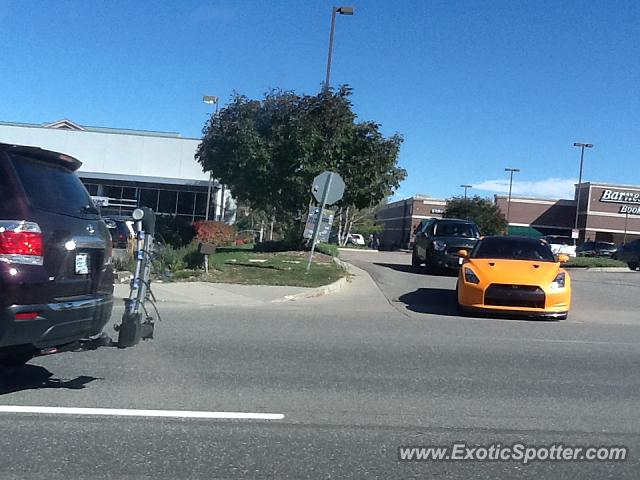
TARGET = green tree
x,y
268,152
485,213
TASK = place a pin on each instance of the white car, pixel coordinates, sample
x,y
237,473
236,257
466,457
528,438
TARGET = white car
x,y
356,239
561,245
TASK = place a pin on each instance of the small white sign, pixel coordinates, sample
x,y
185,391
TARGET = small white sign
x,y
575,233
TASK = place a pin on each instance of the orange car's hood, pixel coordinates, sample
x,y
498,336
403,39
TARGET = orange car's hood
x,y
521,272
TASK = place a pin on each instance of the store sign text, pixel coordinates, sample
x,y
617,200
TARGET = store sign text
x,y
617,196
629,209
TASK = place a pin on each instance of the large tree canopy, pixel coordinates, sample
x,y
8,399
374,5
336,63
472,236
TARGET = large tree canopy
x,y
268,151
483,212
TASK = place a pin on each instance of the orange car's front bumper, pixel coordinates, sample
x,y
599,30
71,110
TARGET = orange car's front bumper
x,y
557,302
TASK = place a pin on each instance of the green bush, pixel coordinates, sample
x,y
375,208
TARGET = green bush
x,y
327,249
124,264
175,231
593,262
173,259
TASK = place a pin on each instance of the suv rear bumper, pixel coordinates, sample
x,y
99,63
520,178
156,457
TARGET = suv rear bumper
x,y
56,323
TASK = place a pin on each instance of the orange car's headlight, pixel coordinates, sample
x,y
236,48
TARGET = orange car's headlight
x,y
470,276
559,281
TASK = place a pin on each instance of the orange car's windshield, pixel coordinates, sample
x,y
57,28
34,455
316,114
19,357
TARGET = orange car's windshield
x,y
510,248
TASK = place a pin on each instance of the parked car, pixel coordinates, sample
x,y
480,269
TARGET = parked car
x,y
56,278
120,232
438,242
630,254
517,275
561,245
356,239
592,248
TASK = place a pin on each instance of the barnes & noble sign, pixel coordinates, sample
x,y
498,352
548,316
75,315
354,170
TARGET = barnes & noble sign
x,y
630,200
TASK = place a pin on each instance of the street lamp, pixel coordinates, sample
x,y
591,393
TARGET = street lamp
x,y
511,172
210,100
582,147
465,189
341,11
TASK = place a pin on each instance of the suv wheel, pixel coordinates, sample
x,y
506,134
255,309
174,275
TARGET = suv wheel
x,y
633,265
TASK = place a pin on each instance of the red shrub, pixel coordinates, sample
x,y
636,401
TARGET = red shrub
x,y
215,233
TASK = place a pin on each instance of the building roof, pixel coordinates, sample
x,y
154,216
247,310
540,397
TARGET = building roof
x,y
146,179
66,124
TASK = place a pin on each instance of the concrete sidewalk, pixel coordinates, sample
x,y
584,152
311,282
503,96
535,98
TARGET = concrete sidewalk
x,y
215,294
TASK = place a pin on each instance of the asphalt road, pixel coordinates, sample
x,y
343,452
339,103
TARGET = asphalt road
x,y
356,375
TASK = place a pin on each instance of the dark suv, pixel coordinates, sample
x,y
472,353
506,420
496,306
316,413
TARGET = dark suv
x,y
56,278
630,254
438,241
119,232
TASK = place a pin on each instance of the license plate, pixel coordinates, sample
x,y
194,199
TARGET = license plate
x,y
82,264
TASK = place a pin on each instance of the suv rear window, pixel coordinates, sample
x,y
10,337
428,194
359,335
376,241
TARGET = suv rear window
x,y
456,229
53,188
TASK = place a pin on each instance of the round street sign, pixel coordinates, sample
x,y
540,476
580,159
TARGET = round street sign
x,y
335,189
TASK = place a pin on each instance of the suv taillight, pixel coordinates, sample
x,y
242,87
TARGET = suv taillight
x,y
21,242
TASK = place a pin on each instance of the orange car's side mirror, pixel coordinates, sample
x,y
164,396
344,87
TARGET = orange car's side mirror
x,y
563,258
463,253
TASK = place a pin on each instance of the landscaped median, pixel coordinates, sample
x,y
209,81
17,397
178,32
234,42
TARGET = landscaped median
x,y
246,265
595,262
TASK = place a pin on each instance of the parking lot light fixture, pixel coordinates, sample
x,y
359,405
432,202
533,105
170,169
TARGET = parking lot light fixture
x,y
342,11
511,172
582,146
465,189
210,100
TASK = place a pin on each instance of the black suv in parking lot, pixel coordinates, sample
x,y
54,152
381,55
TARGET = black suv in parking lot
x,y
630,254
56,278
438,241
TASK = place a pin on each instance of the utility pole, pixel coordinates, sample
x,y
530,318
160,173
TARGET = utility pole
x,y
582,147
341,11
511,172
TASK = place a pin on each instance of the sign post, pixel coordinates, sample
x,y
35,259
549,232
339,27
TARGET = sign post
x,y
327,188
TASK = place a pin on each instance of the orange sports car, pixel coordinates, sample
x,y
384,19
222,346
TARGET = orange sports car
x,y
515,275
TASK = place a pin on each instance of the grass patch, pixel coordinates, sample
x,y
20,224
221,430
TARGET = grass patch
x,y
285,268
328,249
593,262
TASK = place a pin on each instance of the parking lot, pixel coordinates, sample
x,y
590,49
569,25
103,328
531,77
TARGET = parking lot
x,y
598,297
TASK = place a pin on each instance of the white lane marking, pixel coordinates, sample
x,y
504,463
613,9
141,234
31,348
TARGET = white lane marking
x,y
125,412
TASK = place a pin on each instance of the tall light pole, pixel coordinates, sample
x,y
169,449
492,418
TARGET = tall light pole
x,y
465,189
582,147
511,172
210,100
341,11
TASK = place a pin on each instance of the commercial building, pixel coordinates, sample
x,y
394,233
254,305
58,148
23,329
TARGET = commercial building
x,y
400,219
607,212
124,169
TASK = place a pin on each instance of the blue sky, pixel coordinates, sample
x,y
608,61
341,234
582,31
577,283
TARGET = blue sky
x,y
473,86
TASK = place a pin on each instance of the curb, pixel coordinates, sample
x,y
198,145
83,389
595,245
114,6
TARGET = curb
x,y
364,250
320,291
602,269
